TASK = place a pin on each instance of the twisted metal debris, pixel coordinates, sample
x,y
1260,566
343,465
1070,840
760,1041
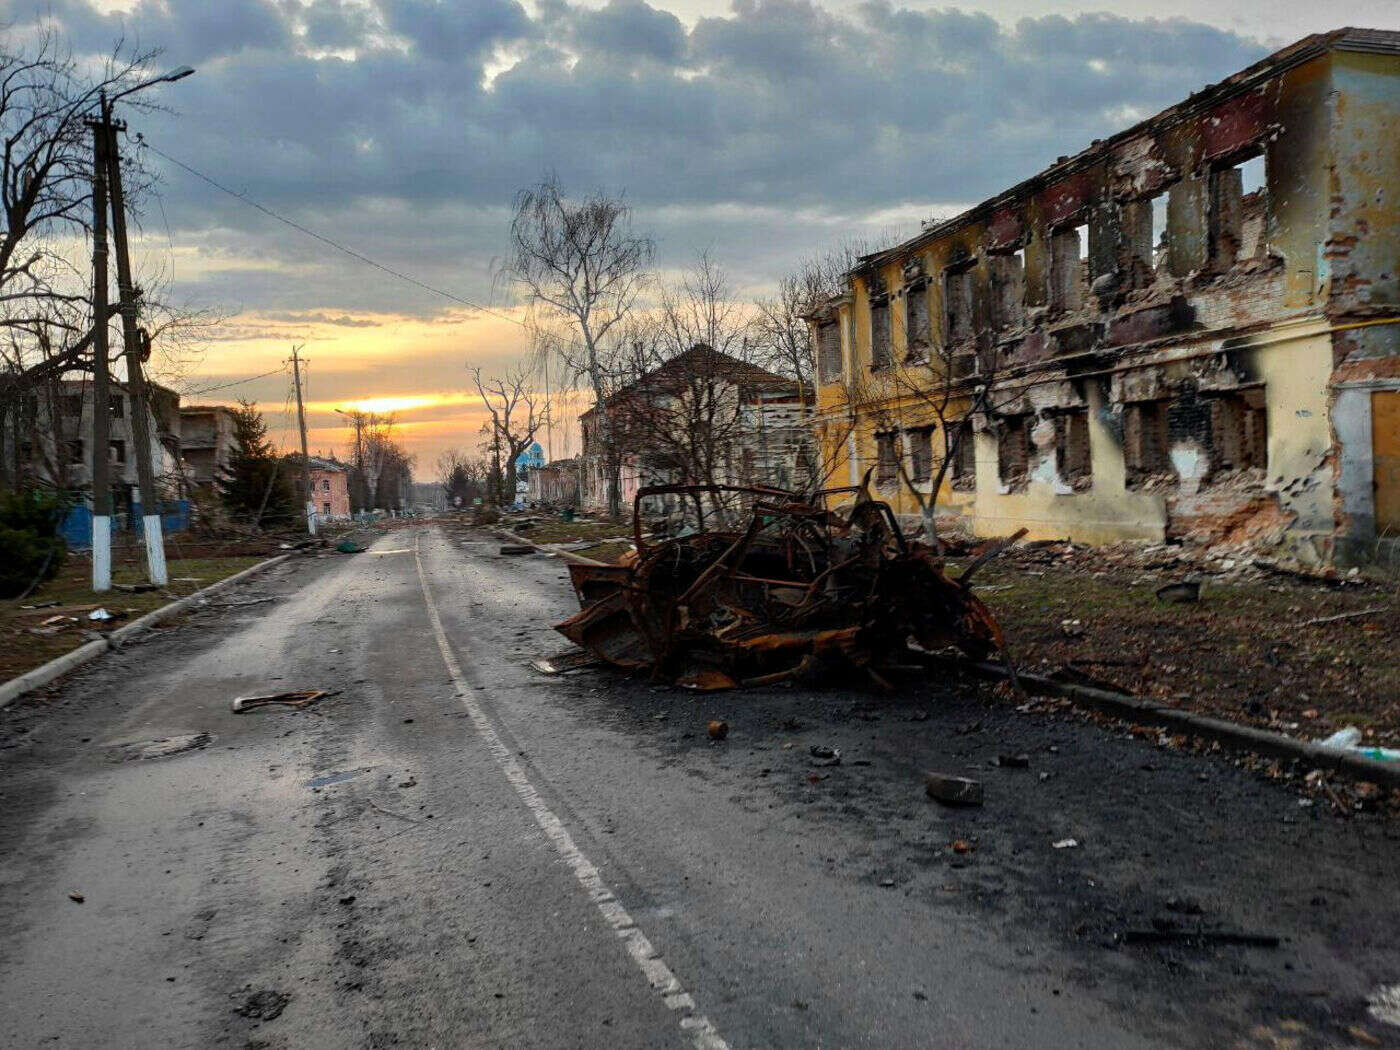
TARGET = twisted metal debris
x,y
740,606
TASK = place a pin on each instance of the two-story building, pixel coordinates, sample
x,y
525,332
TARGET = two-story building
x,y
1189,330
206,442
701,416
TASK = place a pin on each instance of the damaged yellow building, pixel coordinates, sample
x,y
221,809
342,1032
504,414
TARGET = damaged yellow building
x,y
1190,330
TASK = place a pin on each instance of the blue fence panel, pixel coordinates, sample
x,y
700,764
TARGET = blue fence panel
x,y
174,515
76,528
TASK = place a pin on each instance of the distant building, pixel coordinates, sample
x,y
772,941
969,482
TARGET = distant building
x,y
555,484
756,422
206,442
56,444
330,487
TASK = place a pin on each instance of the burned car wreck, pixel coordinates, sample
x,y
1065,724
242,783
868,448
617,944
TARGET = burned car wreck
x,y
751,597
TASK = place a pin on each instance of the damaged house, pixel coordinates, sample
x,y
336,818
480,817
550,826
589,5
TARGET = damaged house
x,y
1189,331
698,417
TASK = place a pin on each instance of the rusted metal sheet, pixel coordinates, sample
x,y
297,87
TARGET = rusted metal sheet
x,y
762,594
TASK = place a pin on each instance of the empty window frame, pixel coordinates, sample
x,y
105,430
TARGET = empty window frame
x,y
1014,450
880,356
921,453
325,484
1068,252
118,451
958,303
1238,199
964,453
918,334
75,450
1239,430
1073,462
829,350
886,458
326,509
72,405
1144,224
1145,447
117,404
1008,288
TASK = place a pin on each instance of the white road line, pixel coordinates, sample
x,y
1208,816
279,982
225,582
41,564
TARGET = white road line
x,y
665,983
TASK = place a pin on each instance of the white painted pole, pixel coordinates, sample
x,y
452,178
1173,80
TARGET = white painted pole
x,y
155,549
101,553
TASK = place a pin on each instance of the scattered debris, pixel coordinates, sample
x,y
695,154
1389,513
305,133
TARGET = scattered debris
x,y
76,898
135,588
1182,592
349,546
1066,844
1349,739
265,1005
824,756
1202,937
296,698
1016,761
1342,616
960,846
570,659
390,813
756,598
953,791
161,747
1384,1005
718,729
513,549
1362,1036
100,616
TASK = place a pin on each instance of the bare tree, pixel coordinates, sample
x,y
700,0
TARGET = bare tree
x,y
581,269
508,399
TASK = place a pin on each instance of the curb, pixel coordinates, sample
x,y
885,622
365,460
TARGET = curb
x,y
1230,734
16,687
549,548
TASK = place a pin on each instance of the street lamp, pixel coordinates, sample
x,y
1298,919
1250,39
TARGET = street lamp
x,y
107,178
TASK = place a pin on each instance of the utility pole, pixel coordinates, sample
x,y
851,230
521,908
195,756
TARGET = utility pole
x,y
101,406
132,344
305,457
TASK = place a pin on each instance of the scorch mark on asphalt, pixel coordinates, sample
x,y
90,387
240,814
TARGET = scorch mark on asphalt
x,y
658,975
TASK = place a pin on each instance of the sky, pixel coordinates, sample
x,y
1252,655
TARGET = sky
x,y
758,130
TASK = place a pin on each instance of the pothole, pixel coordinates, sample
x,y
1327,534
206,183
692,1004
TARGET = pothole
x,y
160,747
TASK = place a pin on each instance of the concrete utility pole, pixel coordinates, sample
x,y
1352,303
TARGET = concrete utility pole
x,y
132,343
101,406
305,457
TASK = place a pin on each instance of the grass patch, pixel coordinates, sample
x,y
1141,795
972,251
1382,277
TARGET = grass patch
x,y
22,650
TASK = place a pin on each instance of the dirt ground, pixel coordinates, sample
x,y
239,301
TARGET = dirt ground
x,y
26,642
1258,647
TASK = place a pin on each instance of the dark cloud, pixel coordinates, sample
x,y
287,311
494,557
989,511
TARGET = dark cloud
x,y
778,111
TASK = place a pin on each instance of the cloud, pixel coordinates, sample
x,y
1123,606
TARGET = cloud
x,y
402,128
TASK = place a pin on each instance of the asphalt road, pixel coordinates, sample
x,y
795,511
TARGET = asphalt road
x,y
459,852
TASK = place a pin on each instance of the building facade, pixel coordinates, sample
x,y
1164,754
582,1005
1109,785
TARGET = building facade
x,y
206,442
701,416
555,484
1190,330
58,449
330,487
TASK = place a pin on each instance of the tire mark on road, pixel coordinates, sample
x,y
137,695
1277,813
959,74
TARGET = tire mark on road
x,y
653,967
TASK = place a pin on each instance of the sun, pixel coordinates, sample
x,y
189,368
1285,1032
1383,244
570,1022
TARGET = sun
x,y
385,405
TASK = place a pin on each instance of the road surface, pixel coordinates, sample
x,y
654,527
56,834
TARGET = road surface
x,y
459,852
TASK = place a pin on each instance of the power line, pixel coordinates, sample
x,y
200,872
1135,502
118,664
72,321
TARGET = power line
x,y
326,240
236,382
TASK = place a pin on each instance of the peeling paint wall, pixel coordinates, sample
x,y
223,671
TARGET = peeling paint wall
x,y
1212,370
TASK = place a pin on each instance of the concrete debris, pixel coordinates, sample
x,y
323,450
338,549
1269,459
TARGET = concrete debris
x,y
953,791
718,729
1181,593
1066,844
825,756
765,592
296,698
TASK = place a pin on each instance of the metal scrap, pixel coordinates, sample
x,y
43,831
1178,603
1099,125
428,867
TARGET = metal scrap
x,y
766,591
